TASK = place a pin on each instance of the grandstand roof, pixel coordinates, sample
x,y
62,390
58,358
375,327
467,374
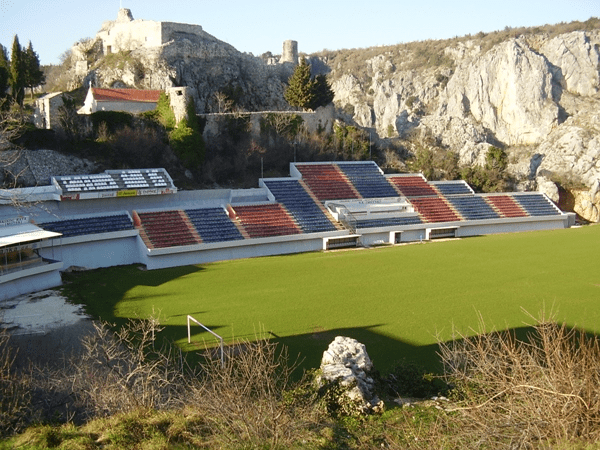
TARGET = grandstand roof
x,y
22,234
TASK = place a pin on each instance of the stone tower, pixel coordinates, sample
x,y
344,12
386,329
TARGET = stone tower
x,y
124,15
290,52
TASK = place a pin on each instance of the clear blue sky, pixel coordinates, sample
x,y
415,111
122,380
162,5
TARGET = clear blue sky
x,y
53,26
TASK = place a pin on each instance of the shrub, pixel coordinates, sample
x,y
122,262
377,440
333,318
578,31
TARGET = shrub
x,y
188,145
113,120
15,394
528,392
244,400
284,125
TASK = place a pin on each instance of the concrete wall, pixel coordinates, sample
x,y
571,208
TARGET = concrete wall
x,y
95,251
249,248
321,118
30,280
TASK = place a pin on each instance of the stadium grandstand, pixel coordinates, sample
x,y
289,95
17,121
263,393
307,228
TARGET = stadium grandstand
x,y
124,217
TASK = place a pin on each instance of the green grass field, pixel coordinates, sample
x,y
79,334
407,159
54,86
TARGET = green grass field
x,y
395,300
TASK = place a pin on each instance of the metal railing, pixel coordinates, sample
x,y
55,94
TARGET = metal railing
x,y
190,318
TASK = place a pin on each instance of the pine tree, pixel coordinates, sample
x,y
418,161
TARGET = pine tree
x,y
17,72
300,92
4,72
33,74
323,95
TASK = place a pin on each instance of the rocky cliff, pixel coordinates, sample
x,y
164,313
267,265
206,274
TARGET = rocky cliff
x,y
534,94
191,58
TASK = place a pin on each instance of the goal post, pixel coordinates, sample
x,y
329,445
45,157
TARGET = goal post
x,y
191,319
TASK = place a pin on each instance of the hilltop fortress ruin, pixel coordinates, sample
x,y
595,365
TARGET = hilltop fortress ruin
x,y
128,34
147,54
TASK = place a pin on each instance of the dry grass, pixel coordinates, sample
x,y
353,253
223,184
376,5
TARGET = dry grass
x,y
526,393
15,397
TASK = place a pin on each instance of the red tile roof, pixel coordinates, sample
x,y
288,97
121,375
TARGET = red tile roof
x,y
126,95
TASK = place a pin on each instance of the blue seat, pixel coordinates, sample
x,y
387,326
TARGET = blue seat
x,y
300,205
213,225
368,180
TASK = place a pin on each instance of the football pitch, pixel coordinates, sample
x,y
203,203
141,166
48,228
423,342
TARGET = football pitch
x,y
398,301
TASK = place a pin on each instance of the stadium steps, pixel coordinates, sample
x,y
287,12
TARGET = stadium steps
x,y
506,206
338,226
435,209
137,223
190,225
412,186
267,220
327,182
238,225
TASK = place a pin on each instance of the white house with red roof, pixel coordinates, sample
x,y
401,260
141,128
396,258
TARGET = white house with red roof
x,y
127,100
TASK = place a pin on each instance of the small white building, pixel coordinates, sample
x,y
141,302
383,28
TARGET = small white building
x,y
46,110
126,100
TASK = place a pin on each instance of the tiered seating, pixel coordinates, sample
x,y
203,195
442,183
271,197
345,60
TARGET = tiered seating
x,y
453,188
90,225
473,208
413,186
213,225
167,229
434,209
536,204
266,220
326,181
388,222
301,206
506,205
368,180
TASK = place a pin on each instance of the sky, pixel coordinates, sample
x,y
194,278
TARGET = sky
x,y
256,27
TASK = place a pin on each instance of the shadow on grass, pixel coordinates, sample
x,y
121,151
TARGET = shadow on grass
x,y
100,295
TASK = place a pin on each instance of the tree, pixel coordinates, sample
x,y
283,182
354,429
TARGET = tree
x,y
306,92
300,90
4,72
17,72
33,74
323,95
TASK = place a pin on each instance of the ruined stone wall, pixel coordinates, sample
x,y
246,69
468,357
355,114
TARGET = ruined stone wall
x,y
123,36
179,98
322,118
171,30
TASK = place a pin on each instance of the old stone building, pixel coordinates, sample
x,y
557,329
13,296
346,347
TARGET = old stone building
x,y
126,34
126,100
46,110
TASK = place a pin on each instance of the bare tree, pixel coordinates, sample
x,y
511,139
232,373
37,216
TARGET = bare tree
x,y
223,102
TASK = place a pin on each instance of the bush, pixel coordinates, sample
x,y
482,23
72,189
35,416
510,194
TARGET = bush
x,y
188,145
114,120
526,392
15,394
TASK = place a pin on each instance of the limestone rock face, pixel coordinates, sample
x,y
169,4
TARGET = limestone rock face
x,y
536,96
346,362
576,61
509,91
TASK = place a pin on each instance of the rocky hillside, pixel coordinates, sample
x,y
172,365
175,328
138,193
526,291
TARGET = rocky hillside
x,y
200,61
534,93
